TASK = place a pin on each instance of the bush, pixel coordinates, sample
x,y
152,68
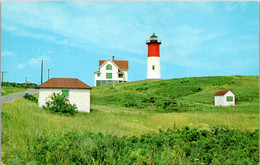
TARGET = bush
x,y
221,145
59,104
166,105
18,85
31,98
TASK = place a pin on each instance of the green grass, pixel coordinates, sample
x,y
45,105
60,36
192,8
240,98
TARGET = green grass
x,y
184,94
9,90
245,88
24,124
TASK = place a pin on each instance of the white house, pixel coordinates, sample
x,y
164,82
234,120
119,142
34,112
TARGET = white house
x,y
78,92
111,71
224,98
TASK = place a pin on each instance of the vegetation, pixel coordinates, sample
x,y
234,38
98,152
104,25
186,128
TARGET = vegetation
x,y
10,90
115,133
31,98
221,145
177,95
18,85
12,87
59,104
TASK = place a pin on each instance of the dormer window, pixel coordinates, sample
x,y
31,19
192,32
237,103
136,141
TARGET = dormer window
x,y
109,67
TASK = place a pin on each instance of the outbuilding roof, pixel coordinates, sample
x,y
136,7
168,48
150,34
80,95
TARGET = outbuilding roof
x,y
122,64
221,92
64,83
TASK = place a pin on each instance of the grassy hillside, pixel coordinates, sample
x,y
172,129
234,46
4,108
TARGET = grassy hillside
x,y
120,116
184,94
143,101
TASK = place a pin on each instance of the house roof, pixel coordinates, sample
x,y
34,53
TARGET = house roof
x,y
122,64
64,83
221,92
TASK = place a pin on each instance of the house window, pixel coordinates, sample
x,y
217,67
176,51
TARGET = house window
x,y
120,75
104,83
98,83
109,75
65,92
153,67
229,98
98,74
109,67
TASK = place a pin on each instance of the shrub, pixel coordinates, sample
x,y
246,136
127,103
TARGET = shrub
x,y
221,145
166,105
132,100
59,104
18,85
31,98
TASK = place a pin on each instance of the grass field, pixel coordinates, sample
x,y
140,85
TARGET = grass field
x,y
10,90
134,109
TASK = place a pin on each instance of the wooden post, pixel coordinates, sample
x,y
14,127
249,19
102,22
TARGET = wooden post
x,y
41,69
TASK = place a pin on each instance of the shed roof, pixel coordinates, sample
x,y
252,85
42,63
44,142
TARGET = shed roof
x,y
122,64
221,92
64,83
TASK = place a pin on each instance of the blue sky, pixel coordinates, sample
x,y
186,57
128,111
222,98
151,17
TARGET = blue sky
x,y
198,38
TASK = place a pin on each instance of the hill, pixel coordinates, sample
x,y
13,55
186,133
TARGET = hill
x,y
163,122
183,94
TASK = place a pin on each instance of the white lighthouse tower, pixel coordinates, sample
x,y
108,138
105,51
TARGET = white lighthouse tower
x,y
153,58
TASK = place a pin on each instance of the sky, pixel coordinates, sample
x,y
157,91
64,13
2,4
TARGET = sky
x,y
202,38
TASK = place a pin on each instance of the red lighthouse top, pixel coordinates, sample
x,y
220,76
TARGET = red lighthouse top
x,y
153,46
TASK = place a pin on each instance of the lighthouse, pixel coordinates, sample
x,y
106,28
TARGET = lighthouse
x,y
153,58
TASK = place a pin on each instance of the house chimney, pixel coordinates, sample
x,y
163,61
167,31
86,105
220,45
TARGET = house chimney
x,y
113,58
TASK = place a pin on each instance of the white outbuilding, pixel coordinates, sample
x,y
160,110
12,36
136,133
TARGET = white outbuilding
x,y
224,98
77,92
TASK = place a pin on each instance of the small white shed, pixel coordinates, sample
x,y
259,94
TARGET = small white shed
x,y
224,98
77,91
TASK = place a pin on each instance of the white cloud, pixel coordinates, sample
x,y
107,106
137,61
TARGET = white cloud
x,y
230,6
21,66
207,7
49,51
252,22
35,61
186,42
97,27
21,32
6,53
85,31
237,48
